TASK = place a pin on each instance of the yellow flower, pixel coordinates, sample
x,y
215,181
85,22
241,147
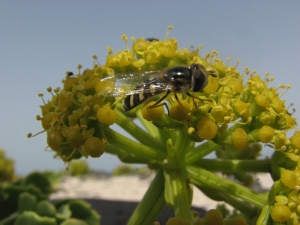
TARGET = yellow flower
x,y
207,128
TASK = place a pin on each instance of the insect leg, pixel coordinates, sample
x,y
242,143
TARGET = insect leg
x,y
162,98
194,97
158,103
177,99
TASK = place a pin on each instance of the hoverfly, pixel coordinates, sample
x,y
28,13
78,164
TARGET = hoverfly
x,y
142,85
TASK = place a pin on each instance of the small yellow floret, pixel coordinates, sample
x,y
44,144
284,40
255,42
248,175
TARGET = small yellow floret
x,y
54,139
94,147
180,112
214,217
152,113
295,139
240,138
277,105
280,141
280,213
207,128
239,220
105,87
262,100
242,108
65,100
140,46
69,82
289,179
236,84
106,115
266,134
176,221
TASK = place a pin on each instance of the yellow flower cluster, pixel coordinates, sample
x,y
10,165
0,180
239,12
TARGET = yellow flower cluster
x,y
75,116
233,110
72,116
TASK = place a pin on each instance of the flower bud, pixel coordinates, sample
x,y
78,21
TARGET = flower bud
x,y
240,138
280,213
180,111
152,113
106,115
207,128
266,134
94,147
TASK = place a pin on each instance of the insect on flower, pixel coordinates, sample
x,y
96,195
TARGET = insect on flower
x,y
142,85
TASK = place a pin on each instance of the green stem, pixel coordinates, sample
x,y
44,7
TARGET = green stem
x,y
199,152
151,129
203,177
182,144
223,165
141,151
181,197
177,151
242,206
152,203
124,156
137,132
264,216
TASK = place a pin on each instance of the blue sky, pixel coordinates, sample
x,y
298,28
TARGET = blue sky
x,y
40,40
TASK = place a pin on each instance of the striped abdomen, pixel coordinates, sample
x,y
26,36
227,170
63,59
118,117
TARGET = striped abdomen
x,y
147,89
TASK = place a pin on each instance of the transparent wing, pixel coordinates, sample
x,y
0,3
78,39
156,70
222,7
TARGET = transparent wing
x,y
126,83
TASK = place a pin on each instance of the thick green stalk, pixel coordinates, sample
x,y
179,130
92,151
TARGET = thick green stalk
x,y
141,151
123,155
199,152
202,177
152,203
236,203
178,193
138,133
151,129
224,165
264,216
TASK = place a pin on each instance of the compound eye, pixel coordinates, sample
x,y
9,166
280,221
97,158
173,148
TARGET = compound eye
x,y
199,77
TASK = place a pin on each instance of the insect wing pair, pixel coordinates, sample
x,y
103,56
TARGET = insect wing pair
x,y
142,85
